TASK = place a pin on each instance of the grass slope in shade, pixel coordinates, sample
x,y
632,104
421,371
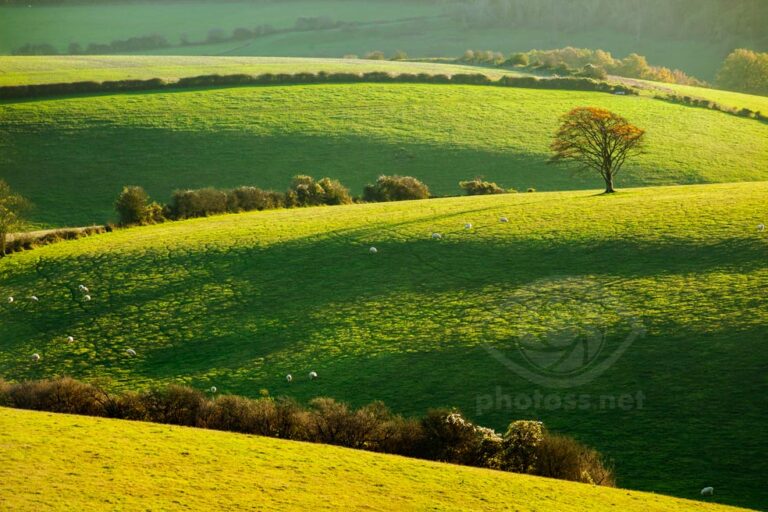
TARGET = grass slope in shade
x,y
240,301
264,135
42,70
130,466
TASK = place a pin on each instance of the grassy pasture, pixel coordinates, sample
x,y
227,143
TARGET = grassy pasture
x,y
264,135
435,36
25,70
239,301
127,465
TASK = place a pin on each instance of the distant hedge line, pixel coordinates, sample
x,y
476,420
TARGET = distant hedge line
x,y
58,89
712,105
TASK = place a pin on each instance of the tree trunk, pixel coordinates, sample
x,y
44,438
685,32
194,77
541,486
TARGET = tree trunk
x,y
2,244
609,185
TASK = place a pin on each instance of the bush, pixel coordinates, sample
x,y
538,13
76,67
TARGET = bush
x,y
375,55
187,204
478,187
395,188
305,191
520,445
518,59
253,198
450,437
132,206
592,71
400,55
176,405
565,458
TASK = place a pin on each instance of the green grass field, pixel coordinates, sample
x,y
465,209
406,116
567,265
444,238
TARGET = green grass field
x,y
435,35
18,70
130,466
239,301
264,135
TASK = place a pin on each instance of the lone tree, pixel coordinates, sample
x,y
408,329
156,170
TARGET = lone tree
x,y
131,206
12,207
597,139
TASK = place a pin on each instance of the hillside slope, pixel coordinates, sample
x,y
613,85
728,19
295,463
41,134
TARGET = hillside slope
x,y
240,301
265,135
130,466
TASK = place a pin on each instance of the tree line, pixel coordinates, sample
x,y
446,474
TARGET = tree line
x,y
441,434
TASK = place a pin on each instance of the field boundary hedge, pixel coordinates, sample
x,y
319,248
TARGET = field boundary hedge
x,y
237,80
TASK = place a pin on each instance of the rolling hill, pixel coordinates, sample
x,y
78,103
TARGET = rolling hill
x,y
669,278
264,135
127,465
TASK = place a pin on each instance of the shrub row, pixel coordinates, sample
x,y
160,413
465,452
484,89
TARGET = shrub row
x,y
712,105
442,434
30,241
56,89
134,207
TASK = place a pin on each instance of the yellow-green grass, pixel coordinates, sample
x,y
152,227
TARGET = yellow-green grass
x,y
240,301
432,35
90,146
23,70
62,462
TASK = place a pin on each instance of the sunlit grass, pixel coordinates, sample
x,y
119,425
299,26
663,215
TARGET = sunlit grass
x,y
60,462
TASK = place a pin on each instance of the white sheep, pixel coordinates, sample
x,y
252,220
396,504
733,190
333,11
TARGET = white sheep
x,y
468,225
34,298
86,298
373,250
35,358
131,352
83,288
70,339
504,219
312,375
213,389
10,300
289,378
437,236
761,227
708,491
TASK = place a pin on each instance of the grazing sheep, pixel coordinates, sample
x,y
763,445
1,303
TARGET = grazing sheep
x,y
373,250
504,219
10,300
86,298
289,377
312,375
35,358
83,288
213,390
34,298
437,236
468,225
708,491
131,352
761,227
70,339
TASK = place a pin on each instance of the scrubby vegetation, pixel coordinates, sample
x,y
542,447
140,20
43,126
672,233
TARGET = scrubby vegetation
x,y
745,71
443,435
395,188
478,187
